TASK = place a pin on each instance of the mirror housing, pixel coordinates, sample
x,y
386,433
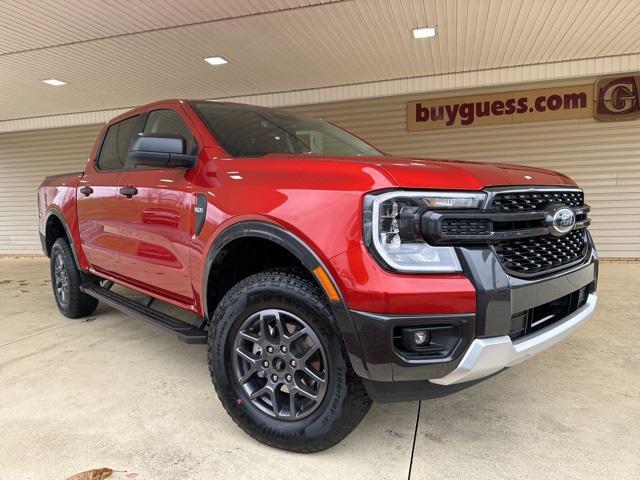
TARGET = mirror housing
x,y
160,151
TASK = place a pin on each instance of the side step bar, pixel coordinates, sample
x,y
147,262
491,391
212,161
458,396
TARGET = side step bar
x,y
185,331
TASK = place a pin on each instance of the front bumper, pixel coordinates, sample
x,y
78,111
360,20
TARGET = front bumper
x,y
486,356
486,342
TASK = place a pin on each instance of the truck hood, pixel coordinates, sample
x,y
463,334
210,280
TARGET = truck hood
x,y
458,175
420,172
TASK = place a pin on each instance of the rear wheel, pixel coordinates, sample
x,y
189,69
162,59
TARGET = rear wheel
x,y
66,280
278,366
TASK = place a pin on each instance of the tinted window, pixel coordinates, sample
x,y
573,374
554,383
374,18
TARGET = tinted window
x,y
116,144
245,130
168,122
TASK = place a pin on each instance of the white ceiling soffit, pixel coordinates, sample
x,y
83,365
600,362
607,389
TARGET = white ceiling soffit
x,y
116,54
28,25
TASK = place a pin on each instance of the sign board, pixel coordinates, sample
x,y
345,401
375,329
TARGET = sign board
x,y
612,98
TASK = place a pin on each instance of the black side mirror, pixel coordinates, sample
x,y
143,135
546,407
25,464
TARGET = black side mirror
x,y
160,151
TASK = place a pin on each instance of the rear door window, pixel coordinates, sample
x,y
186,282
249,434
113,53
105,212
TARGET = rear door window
x,y
117,141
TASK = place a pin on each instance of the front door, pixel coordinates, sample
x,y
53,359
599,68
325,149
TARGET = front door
x,y
156,221
97,197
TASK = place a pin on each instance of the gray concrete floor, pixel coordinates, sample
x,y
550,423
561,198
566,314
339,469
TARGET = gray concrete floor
x,y
117,392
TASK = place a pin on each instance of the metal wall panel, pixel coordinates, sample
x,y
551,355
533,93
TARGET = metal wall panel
x,y
25,159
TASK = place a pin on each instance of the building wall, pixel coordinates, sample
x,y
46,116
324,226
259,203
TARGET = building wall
x,y
25,159
604,158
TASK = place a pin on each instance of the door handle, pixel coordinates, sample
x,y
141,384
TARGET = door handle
x,y
129,191
86,191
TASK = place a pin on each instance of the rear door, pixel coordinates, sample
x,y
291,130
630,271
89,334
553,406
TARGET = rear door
x,y
97,197
157,218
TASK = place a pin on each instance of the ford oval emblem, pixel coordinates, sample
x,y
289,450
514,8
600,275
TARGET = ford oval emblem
x,y
560,220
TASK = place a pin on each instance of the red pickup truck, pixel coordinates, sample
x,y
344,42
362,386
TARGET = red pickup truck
x,y
322,273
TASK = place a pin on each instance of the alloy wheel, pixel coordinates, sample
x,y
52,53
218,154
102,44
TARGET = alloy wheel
x,y
280,364
62,280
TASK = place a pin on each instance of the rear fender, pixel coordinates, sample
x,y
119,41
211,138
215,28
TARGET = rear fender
x,y
54,212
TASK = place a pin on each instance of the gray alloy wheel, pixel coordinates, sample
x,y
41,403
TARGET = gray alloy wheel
x,y
280,363
61,286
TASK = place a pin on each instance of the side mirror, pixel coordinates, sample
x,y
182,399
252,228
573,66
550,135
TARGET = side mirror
x,y
160,151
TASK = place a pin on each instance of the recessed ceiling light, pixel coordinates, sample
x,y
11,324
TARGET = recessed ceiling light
x,y
215,60
424,32
54,82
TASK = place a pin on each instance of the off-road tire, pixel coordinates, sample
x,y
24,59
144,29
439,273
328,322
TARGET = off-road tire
x,y
75,304
345,400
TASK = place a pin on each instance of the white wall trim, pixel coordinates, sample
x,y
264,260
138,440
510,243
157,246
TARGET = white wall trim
x,y
560,70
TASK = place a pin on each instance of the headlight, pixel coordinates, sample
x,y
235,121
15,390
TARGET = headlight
x,y
392,228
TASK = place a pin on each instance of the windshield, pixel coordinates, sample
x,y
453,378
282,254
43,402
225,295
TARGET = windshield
x,y
248,131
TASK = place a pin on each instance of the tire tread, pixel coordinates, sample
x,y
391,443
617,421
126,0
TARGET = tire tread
x,y
357,402
80,304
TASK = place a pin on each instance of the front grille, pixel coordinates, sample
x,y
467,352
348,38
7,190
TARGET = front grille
x,y
466,226
537,200
535,319
531,256
519,227
537,255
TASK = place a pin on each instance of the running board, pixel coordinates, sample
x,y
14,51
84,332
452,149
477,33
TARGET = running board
x,y
185,331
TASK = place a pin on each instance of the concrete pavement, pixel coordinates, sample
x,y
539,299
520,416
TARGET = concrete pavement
x,y
115,391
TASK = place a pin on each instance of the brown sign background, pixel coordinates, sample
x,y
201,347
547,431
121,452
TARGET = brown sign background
x,y
555,103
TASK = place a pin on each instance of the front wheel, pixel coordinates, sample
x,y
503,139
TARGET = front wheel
x,y
278,366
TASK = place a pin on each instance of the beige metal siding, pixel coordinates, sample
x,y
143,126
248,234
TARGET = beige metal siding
x,y
25,159
604,158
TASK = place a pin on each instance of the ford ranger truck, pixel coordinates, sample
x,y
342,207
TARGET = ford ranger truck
x,y
322,273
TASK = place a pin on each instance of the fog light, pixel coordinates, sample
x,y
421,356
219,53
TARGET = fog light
x,y
420,337
437,340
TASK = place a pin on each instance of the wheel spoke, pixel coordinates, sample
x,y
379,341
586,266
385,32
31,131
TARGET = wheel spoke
x,y
292,403
246,356
314,375
263,326
305,393
274,403
267,390
250,336
305,358
296,335
243,379
259,393
280,326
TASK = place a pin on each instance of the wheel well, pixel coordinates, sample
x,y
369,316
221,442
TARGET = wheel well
x,y
53,231
243,257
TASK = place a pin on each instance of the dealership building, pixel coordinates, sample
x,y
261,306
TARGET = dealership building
x,y
519,92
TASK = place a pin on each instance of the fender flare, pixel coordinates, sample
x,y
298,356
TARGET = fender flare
x,y
54,212
308,258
